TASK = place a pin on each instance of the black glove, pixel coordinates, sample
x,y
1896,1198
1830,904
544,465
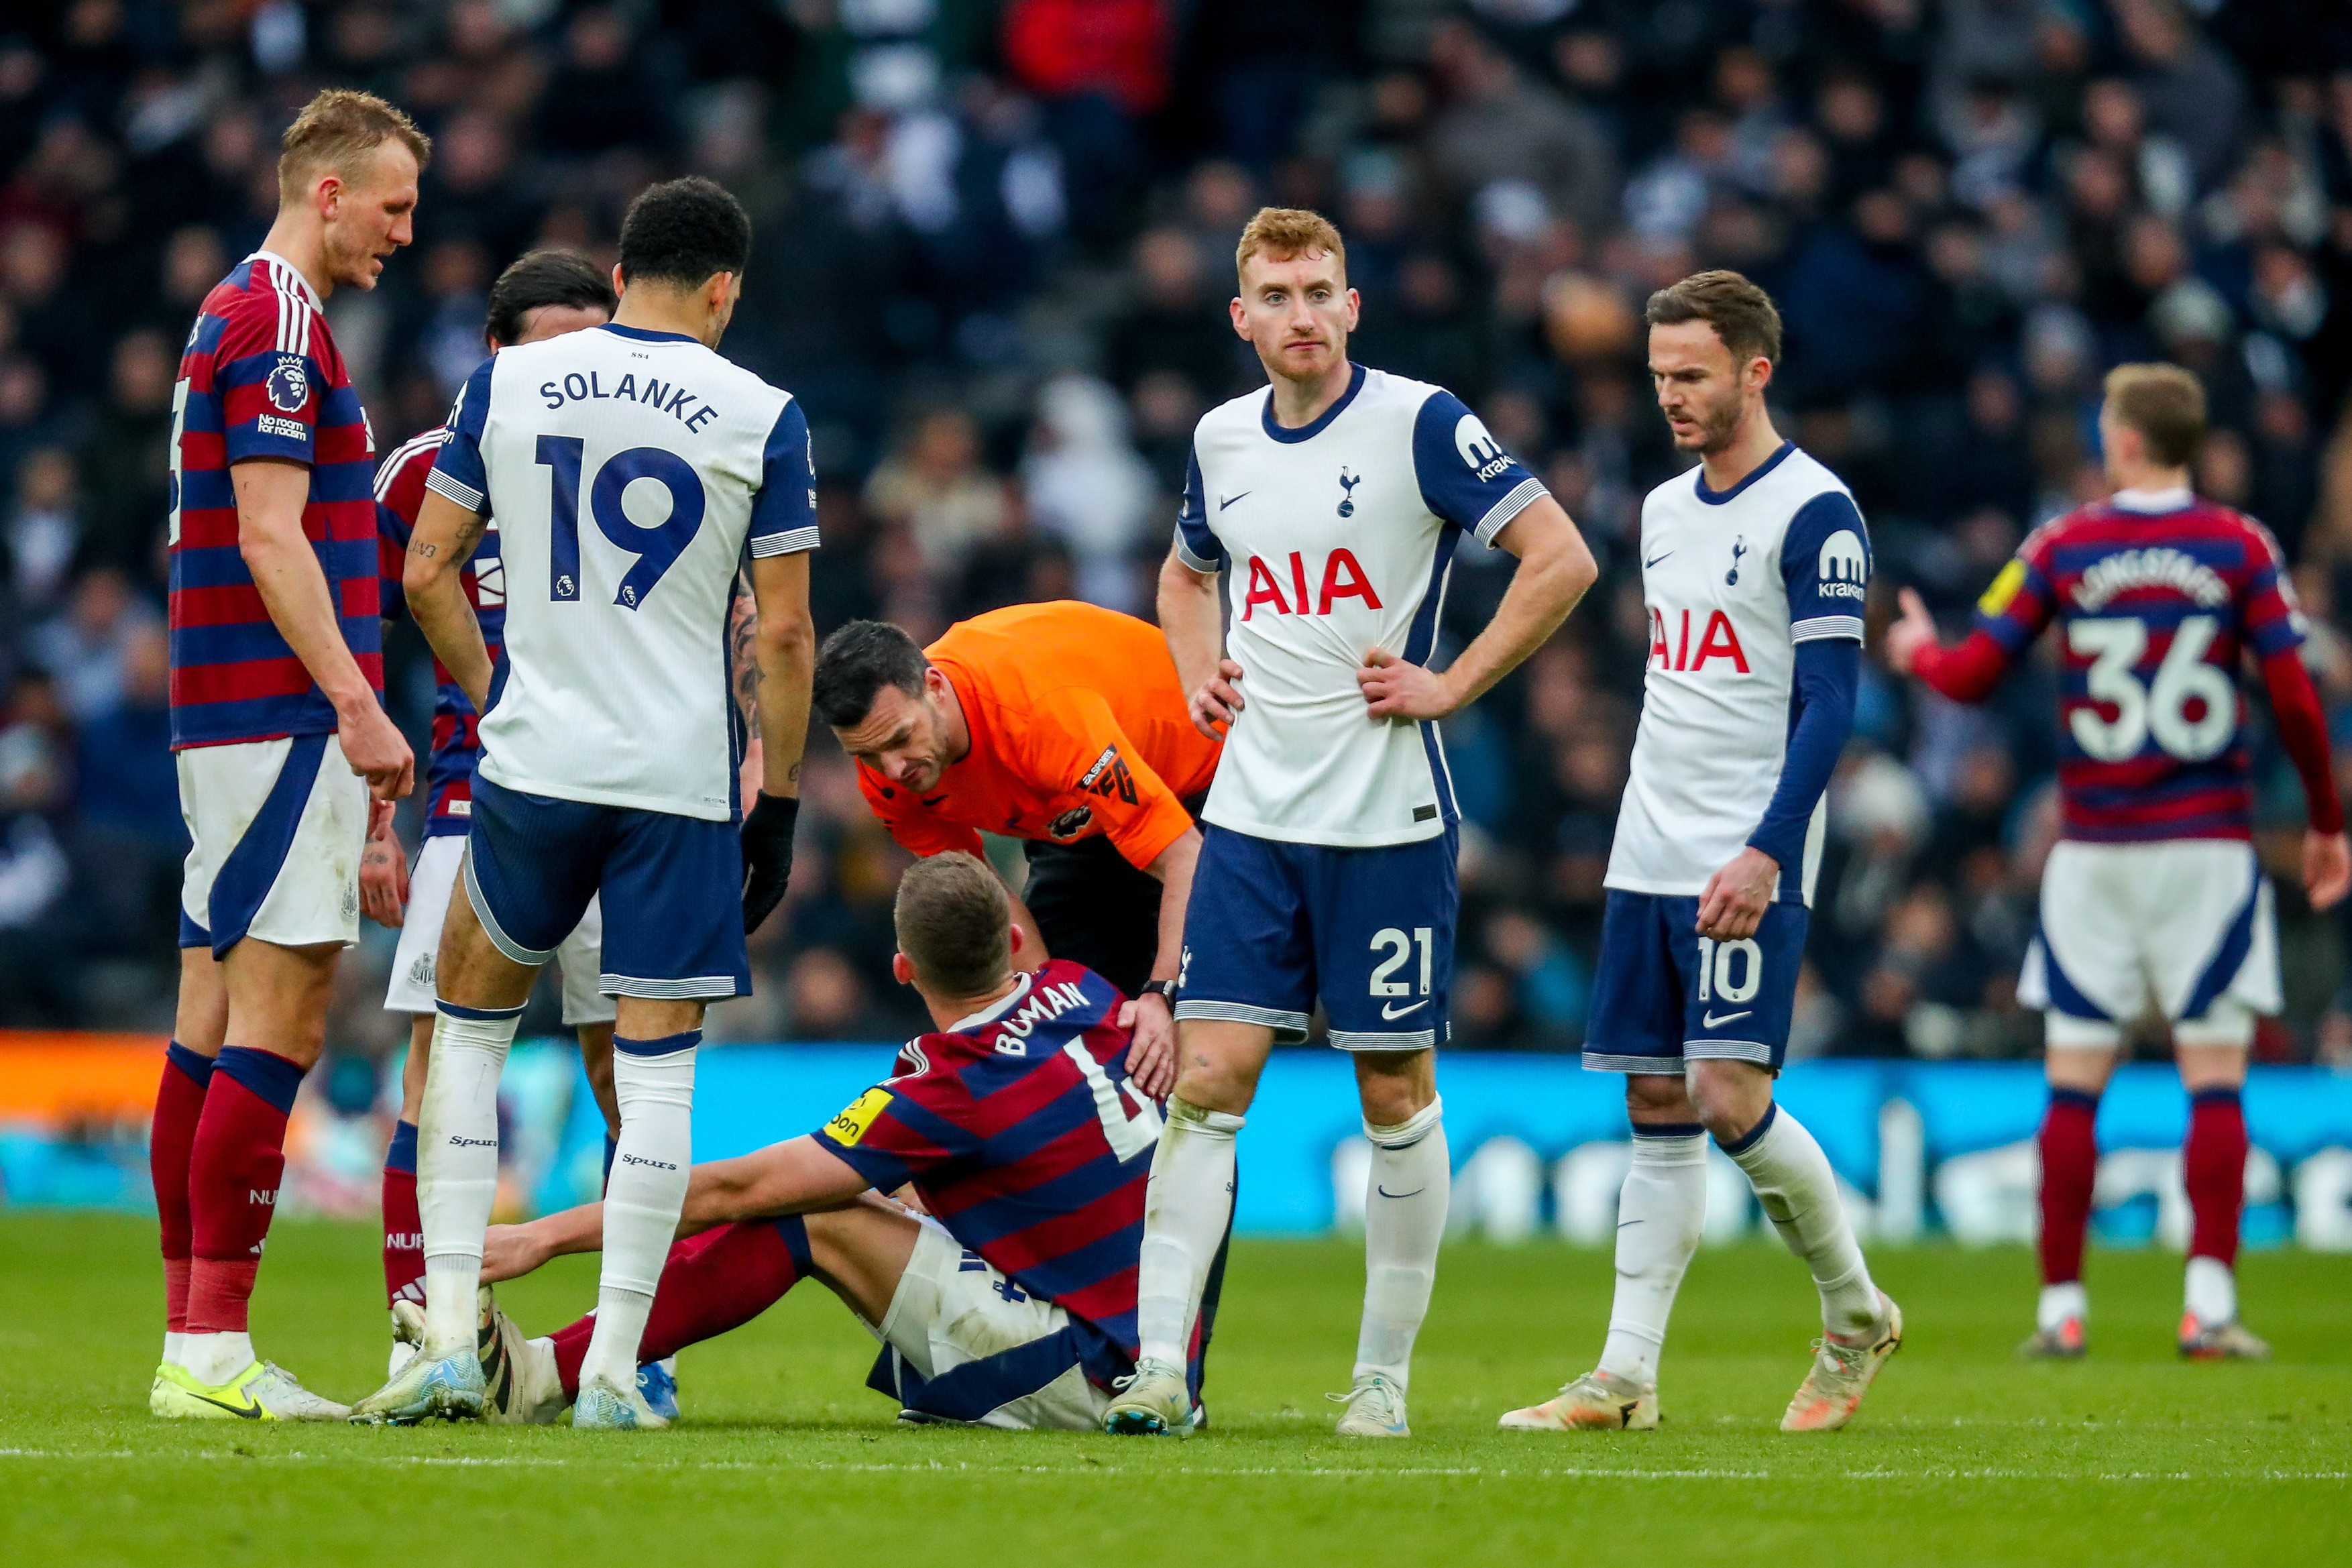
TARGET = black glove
x,y
767,855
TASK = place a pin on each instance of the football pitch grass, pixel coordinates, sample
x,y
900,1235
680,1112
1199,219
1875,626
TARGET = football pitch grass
x,y
1963,1454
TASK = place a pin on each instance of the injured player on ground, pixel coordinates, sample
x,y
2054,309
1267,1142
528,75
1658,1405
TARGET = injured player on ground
x,y
1010,1299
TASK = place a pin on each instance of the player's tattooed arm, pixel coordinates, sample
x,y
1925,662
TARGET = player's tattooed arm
x,y
433,581
742,655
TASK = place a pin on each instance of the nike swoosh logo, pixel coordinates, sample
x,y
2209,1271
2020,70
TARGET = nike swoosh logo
x,y
1386,1194
246,1412
1712,1022
1660,558
1390,1010
933,800
1225,501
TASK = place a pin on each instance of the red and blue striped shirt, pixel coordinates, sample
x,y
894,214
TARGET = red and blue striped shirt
x,y
1021,1133
261,378
2155,597
456,728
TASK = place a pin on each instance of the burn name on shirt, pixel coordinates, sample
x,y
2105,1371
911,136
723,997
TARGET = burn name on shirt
x,y
669,396
1045,1004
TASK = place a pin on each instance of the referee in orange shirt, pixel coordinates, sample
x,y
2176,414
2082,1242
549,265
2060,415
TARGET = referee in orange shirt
x,y
1062,724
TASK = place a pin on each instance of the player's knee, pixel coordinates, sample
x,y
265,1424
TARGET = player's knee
x,y
1730,1097
1395,1087
1214,1084
1654,1097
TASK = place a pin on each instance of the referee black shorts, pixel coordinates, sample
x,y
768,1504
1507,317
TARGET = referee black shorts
x,y
1093,908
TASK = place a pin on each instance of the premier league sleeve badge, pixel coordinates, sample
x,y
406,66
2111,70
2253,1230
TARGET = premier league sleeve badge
x,y
288,386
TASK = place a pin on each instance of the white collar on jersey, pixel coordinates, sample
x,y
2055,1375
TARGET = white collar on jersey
x,y
998,1008
2151,502
292,273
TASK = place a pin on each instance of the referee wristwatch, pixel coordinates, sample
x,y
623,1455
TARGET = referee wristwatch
x,y
1163,989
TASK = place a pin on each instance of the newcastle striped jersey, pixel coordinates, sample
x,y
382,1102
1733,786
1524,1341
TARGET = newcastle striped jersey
x,y
456,728
1021,1133
2155,593
260,378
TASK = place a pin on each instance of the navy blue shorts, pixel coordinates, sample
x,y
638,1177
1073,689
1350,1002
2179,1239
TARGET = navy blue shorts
x,y
673,889
1272,926
1662,993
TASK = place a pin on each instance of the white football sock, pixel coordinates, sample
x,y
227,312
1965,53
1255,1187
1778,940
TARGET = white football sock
x,y
644,1198
457,1164
2210,1292
1404,1219
172,1339
2060,1302
1186,1211
1660,1212
1798,1191
214,1359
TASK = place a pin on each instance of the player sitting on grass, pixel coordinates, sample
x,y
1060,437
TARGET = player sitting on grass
x,y
1011,1302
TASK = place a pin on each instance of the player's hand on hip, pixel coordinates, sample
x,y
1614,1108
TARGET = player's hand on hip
x,y
767,855
1733,903
383,869
1151,1055
377,751
2327,869
1395,689
1914,630
1218,700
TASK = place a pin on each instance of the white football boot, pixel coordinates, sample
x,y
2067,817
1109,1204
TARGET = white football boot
x,y
1375,1409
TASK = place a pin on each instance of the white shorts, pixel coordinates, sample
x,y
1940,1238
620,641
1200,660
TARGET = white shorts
x,y
2184,932
276,828
431,882
982,1352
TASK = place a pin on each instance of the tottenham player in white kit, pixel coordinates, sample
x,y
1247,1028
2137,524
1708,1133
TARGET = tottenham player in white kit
x,y
1755,565
1334,501
630,468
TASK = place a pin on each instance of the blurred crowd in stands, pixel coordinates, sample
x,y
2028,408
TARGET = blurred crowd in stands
x,y
994,242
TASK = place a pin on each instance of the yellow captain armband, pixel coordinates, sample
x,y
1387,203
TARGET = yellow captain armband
x,y
2004,588
858,1115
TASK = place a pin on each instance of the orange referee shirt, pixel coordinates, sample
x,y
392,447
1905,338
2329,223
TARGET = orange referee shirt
x,y
1078,727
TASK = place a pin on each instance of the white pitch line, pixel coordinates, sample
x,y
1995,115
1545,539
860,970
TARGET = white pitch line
x,y
1084,1469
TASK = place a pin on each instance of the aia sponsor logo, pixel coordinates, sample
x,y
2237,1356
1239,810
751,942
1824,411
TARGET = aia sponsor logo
x,y
1343,577
1672,646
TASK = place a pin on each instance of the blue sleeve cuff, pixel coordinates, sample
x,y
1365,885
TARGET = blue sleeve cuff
x,y
1465,475
1197,544
784,514
457,474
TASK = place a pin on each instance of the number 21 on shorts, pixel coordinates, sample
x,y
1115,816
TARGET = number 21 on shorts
x,y
1400,948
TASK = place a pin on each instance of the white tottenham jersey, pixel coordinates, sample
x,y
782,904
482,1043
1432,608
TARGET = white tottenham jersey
x,y
627,470
1734,580
1339,535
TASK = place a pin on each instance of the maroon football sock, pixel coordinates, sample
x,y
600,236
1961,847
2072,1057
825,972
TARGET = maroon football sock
x,y
179,1105
2070,1167
233,1175
713,1283
2213,1168
403,1229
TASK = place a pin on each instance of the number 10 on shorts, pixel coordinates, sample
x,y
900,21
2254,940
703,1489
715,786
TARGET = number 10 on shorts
x,y
1731,970
1398,947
